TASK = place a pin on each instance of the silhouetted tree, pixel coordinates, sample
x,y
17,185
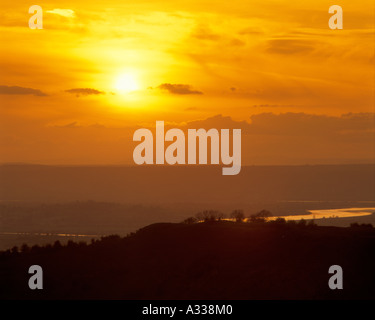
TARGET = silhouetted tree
x,y
199,216
280,221
264,214
190,220
209,216
363,225
35,248
14,249
57,244
261,216
238,215
25,248
311,223
71,244
220,216
367,225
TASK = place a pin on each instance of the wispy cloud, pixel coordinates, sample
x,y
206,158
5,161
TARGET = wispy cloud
x,y
290,46
178,88
84,91
68,13
204,33
21,91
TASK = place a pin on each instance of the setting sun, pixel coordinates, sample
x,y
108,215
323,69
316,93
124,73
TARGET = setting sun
x,y
198,151
127,82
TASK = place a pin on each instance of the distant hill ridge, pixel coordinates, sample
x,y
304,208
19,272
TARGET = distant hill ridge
x,y
194,184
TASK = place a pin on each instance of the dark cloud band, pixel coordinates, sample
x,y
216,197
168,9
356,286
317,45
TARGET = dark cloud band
x,y
178,88
84,91
15,90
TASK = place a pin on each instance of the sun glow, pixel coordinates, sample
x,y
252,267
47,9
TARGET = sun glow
x,y
127,82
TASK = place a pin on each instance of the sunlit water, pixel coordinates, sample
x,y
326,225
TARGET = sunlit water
x,y
330,213
313,215
49,234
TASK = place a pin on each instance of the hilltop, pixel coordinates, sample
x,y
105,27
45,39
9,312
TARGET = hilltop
x,y
219,260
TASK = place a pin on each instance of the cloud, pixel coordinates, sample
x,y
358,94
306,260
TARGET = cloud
x,y
68,13
274,106
237,42
21,91
84,91
320,127
69,125
219,122
300,138
76,124
290,46
250,31
178,88
303,124
204,33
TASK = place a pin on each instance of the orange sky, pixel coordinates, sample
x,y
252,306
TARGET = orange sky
x,y
302,93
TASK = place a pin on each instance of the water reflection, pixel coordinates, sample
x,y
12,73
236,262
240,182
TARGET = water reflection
x,y
49,234
330,213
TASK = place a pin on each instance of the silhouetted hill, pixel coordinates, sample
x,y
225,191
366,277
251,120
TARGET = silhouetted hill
x,y
220,260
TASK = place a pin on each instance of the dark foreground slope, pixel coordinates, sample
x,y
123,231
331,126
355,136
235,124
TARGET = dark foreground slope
x,y
220,260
